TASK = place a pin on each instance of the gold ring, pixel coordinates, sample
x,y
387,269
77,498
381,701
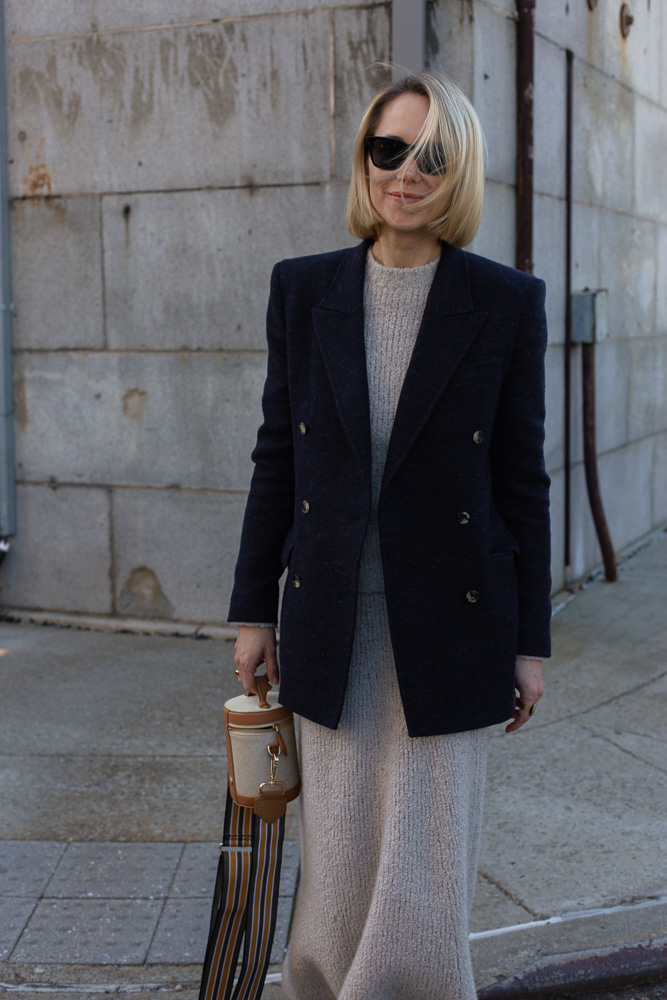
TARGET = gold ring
x,y
528,708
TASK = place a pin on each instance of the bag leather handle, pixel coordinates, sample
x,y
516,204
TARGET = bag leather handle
x,y
262,688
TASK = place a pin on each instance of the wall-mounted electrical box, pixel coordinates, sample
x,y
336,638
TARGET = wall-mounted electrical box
x,y
590,316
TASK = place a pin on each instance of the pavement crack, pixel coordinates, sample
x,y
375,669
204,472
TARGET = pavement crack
x,y
635,756
575,716
506,892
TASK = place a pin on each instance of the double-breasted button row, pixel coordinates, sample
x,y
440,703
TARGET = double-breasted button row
x,y
478,437
463,517
303,427
296,582
305,506
472,596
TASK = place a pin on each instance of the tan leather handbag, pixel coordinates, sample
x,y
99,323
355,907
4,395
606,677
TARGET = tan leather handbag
x,y
261,752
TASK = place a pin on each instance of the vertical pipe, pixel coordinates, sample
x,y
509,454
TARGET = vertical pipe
x,y
590,462
525,90
7,483
567,350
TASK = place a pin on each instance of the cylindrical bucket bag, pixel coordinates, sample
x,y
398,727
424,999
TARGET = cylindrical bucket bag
x,y
261,752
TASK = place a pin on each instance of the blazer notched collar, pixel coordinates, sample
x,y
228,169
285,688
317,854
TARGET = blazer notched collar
x,y
449,325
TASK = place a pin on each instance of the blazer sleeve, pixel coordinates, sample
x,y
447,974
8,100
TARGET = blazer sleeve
x,y
520,480
270,505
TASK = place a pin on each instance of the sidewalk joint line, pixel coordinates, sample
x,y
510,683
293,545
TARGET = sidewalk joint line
x,y
506,892
575,716
54,870
164,903
272,977
617,746
602,911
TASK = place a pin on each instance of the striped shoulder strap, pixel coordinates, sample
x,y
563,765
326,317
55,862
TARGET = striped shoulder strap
x,y
245,903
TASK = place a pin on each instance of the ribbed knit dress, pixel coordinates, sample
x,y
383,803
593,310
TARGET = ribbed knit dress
x,y
390,825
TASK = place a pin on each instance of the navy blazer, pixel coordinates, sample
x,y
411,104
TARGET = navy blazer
x,y
464,505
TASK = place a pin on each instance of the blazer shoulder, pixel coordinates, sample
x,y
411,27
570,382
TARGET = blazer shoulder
x,y
314,264
490,280
305,281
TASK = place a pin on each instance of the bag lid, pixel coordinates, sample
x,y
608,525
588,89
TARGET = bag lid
x,y
250,703
262,701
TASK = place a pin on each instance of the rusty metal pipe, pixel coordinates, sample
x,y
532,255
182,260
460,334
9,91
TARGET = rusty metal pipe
x,y
590,462
525,92
7,469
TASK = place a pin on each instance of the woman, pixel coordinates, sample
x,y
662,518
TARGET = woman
x,y
400,476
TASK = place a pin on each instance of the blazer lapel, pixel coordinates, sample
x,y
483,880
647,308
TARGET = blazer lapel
x,y
339,327
449,326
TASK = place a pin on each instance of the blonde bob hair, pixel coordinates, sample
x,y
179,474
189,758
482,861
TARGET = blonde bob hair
x,y
456,203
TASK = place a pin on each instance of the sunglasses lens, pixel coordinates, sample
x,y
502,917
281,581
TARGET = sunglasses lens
x,y
432,160
389,154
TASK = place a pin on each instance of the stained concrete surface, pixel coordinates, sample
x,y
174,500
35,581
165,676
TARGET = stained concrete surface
x,y
111,758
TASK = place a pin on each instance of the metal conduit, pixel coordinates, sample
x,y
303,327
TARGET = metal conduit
x,y
7,470
567,347
525,92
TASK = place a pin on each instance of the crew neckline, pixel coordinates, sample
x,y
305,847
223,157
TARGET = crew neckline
x,y
374,262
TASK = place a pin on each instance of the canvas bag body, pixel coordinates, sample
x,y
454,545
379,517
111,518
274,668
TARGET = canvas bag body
x,y
261,754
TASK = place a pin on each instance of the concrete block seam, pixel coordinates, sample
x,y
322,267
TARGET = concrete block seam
x,y
112,555
105,337
223,352
131,192
199,23
56,484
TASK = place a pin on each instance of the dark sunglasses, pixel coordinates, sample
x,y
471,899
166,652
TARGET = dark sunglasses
x,y
389,154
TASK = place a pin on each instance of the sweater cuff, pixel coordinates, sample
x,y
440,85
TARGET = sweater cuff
x,y
255,624
524,656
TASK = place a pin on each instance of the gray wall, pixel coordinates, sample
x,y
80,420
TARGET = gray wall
x,y
162,159
619,231
164,154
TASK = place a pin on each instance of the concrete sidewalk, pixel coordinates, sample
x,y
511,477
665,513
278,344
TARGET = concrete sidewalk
x,y
112,788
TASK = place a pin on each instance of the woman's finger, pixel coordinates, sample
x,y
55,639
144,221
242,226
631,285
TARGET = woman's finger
x,y
529,681
521,717
254,646
272,671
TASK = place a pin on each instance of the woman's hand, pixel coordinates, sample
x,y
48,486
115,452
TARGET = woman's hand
x,y
529,682
255,645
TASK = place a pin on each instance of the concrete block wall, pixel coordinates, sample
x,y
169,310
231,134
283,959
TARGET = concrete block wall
x,y
163,156
619,231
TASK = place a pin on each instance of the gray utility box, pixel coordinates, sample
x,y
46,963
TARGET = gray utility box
x,y
590,316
